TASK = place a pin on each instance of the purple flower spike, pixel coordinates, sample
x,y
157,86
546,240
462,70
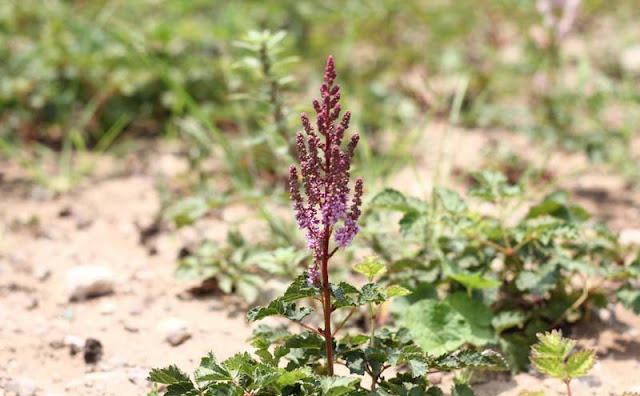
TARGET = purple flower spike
x,y
313,276
324,170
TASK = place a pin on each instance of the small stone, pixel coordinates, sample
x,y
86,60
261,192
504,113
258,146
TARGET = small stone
x,y
22,387
68,314
435,378
630,236
130,326
92,350
604,315
135,310
74,343
107,308
42,273
86,281
176,331
630,59
137,375
30,303
56,344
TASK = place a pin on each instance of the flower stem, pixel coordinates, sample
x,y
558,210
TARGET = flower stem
x,y
328,338
568,387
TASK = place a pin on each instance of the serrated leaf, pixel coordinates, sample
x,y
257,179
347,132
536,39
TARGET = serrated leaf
x,y
475,281
396,290
223,389
485,360
538,282
371,293
392,200
462,390
434,391
305,340
548,356
580,363
298,290
337,386
211,370
279,308
507,319
413,222
343,294
168,375
355,360
451,200
181,389
371,267
288,378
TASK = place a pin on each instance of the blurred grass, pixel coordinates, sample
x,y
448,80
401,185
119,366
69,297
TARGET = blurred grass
x,y
77,75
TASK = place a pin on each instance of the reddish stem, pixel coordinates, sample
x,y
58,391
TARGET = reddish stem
x,y
328,337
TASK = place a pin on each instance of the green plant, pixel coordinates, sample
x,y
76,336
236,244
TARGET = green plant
x,y
500,276
238,267
309,356
553,356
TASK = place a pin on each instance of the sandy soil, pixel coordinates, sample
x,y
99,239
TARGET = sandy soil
x,y
98,226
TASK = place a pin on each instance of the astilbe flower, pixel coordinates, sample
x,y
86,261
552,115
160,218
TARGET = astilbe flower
x,y
324,168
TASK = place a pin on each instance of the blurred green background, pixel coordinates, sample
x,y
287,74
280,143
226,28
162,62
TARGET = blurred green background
x,y
230,77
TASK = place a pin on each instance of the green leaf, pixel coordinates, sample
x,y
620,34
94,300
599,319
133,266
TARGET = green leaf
x,y
371,267
477,315
396,290
580,363
355,360
485,360
288,378
181,389
462,390
436,326
555,205
168,375
392,200
515,347
211,370
188,211
507,319
413,223
306,340
548,356
337,386
222,389
450,200
475,281
279,308
630,298
371,293
298,290
538,282
528,393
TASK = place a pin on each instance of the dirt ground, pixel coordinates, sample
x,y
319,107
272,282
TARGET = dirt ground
x,y
41,238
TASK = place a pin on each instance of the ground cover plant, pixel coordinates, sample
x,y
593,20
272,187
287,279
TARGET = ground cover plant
x,y
503,275
555,356
330,223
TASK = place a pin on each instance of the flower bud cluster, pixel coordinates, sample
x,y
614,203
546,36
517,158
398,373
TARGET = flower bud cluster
x,y
324,169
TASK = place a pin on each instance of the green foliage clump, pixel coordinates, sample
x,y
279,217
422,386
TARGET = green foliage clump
x,y
497,277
